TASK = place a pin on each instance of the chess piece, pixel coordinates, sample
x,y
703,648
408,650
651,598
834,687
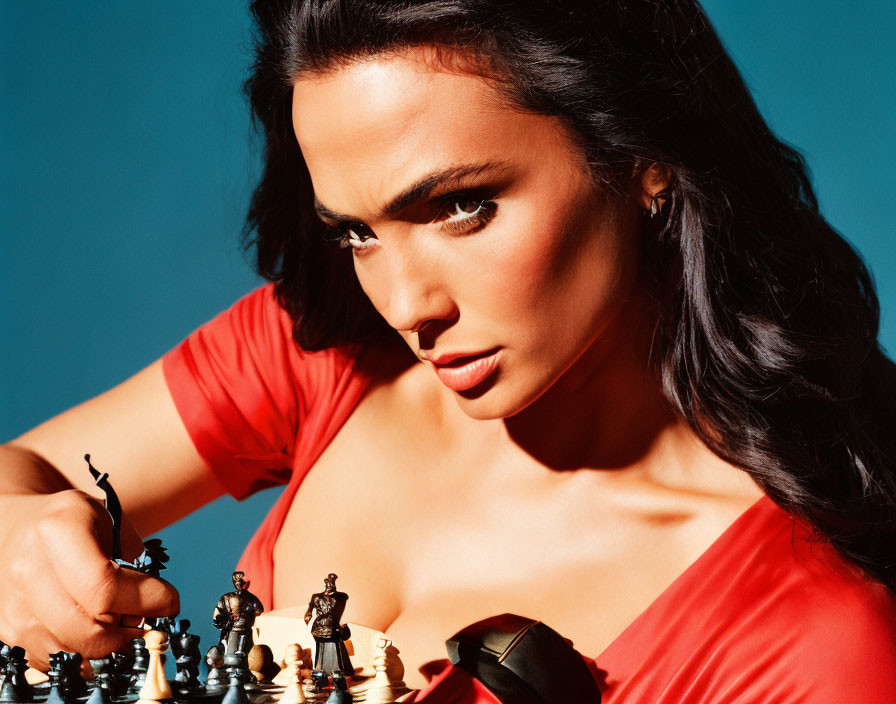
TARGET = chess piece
x,y
156,687
15,687
340,693
99,695
71,683
293,694
239,663
120,673
235,693
140,663
261,663
387,683
187,657
217,677
234,616
113,507
330,652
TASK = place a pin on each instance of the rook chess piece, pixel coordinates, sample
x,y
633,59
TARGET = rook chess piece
x,y
156,687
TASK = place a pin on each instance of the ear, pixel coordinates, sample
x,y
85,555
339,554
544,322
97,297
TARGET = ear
x,y
655,178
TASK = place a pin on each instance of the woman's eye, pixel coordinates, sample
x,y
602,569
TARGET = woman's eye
x,y
355,236
467,213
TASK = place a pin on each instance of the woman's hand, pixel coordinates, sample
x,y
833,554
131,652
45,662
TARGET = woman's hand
x,y
62,591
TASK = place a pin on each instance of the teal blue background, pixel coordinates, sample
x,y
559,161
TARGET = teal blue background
x,y
126,163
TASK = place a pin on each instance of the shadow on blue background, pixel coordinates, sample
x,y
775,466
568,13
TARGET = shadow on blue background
x,y
126,164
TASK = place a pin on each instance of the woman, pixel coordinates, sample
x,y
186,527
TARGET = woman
x,y
651,410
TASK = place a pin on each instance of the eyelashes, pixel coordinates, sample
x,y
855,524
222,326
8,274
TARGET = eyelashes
x,y
460,213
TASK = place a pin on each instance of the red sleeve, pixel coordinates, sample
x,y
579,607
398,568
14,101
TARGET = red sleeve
x,y
243,387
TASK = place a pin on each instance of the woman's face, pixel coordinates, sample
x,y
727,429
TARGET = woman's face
x,y
505,255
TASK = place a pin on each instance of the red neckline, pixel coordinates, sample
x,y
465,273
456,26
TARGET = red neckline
x,y
720,544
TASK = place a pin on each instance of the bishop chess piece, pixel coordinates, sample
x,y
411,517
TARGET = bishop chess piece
x,y
293,694
156,687
15,687
217,676
330,653
234,616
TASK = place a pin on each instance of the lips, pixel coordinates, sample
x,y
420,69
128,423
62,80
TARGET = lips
x,y
460,372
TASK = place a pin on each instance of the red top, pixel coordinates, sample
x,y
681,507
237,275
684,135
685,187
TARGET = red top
x,y
764,615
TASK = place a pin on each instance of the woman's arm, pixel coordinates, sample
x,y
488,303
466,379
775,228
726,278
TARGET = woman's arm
x,y
134,433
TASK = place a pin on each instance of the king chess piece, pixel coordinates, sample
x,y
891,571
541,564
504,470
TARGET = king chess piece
x,y
156,687
330,654
234,616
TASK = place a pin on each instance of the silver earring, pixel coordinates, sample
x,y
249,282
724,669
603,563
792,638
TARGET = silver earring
x,y
655,208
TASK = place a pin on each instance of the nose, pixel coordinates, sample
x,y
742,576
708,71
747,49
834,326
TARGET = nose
x,y
418,295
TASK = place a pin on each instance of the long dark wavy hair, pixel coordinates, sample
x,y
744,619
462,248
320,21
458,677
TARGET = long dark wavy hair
x,y
766,339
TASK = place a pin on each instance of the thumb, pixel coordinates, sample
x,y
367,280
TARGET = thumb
x,y
131,542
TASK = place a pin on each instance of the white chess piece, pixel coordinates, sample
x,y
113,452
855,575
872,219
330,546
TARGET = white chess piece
x,y
387,683
293,694
156,687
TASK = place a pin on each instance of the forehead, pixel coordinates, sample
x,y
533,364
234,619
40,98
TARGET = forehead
x,y
369,128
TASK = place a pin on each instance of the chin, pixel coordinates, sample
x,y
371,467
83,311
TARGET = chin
x,y
496,398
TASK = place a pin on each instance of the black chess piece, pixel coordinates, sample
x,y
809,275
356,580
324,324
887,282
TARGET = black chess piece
x,y
330,653
99,695
141,664
238,662
120,672
15,687
216,680
185,647
235,693
234,616
71,684
340,693
113,507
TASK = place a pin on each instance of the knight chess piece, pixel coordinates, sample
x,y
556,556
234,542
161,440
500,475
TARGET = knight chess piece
x,y
330,653
234,616
156,687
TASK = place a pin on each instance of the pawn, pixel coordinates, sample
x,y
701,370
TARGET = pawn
x,y
99,695
340,693
261,663
387,683
15,687
235,693
140,663
156,687
293,694
217,677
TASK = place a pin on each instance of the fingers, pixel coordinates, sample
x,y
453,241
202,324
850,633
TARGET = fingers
x,y
100,587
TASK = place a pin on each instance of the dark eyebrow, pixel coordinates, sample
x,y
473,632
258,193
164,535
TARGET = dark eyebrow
x,y
420,189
